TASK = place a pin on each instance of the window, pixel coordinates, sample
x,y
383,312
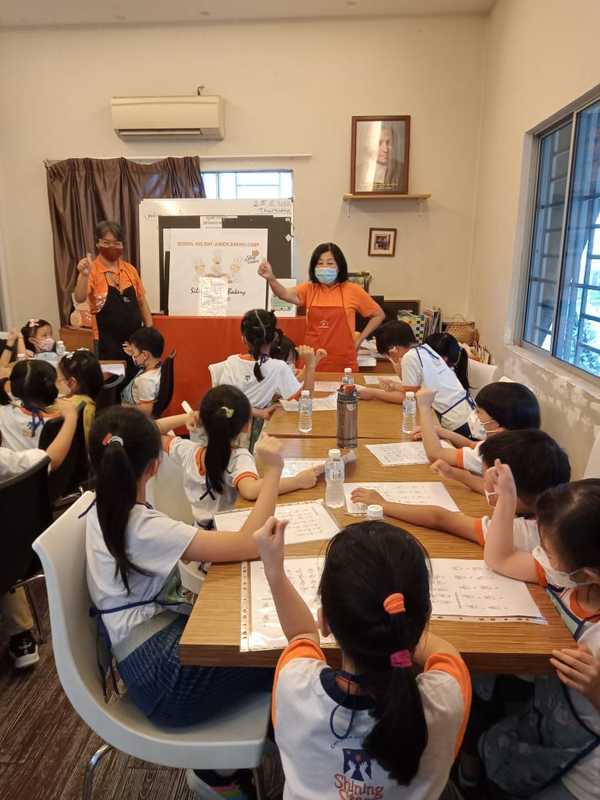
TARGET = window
x,y
250,185
562,313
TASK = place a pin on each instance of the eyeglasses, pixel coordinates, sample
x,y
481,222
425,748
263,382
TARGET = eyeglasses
x,y
110,243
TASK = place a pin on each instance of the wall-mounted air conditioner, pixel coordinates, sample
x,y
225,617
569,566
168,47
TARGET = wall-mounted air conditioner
x,y
196,115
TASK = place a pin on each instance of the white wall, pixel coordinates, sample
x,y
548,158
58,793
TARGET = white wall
x,y
541,55
290,88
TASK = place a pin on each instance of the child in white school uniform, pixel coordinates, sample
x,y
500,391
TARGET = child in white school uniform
x,y
14,608
217,469
551,750
132,553
538,463
420,365
145,347
26,403
375,728
500,407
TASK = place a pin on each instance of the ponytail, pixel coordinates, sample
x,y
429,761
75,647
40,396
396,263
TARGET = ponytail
x,y
4,395
224,412
123,442
32,382
375,597
259,327
453,354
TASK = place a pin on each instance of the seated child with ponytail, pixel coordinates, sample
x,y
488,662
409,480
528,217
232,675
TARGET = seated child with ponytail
x,y
390,722
26,403
132,553
80,379
217,469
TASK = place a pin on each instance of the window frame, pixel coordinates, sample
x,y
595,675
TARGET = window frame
x,y
551,125
235,172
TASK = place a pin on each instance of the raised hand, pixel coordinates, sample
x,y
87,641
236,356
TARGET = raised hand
x,y
265,270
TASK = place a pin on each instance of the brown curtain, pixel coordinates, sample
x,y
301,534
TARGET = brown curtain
x,y
83,191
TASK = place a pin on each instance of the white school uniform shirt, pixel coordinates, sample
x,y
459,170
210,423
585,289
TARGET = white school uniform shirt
x,y
526,535
19,429
469,458
204,501
143,388
155,543
238,371
422,366
16,463
320,766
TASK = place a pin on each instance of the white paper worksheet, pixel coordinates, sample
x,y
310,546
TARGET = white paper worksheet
x,y
307,522
430,493
318,404
399,454
461,589
327,386
292,466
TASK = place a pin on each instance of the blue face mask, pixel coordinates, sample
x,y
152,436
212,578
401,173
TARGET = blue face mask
x,y
327,275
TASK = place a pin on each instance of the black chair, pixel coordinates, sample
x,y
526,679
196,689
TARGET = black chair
x,y
110,394
26,512
73,473
166,385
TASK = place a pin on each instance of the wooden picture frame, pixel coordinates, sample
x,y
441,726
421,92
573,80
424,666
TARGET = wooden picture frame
x,y
382,241
379,155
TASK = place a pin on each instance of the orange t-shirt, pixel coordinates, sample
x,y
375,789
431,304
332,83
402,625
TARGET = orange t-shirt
x,y
98,286
349,295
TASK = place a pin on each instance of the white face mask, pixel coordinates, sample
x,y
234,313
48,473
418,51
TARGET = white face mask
x,y
557,577
476,426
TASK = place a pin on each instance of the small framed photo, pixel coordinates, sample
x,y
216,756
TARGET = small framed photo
x,y
379,158
382,241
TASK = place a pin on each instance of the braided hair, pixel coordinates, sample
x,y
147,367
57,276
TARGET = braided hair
x,y
259,328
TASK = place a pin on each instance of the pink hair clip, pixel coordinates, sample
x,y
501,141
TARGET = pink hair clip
x,y
401,659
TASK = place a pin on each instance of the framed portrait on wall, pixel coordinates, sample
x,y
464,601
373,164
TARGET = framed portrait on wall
x,y
382,241
379,158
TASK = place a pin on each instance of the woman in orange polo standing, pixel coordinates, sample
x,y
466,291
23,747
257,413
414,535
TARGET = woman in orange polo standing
x,y
331,302
114,291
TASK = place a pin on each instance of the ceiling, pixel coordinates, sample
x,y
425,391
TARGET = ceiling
x,y
34,13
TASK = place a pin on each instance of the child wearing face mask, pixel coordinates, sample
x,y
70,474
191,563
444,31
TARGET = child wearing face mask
x,y
500,407
80,378
145,347
537,462
38,338
552,749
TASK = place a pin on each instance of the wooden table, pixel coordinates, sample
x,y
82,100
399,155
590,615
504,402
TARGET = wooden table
x,y
376,419
212,635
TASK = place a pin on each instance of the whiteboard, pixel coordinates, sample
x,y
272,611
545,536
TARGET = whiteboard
x,y
213,210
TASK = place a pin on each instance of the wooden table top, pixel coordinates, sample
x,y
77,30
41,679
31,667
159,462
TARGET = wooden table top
x,y
376,419
212,635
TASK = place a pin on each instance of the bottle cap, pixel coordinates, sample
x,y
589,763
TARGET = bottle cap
x,y
411,395
335,453
348,370
305,393
374,512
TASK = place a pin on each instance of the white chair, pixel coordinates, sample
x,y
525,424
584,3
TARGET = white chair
x,y
165,491
216,372
592,469
481,374
232,740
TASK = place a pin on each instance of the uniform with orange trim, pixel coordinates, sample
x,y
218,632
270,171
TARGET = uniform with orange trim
x,y
469,458
526,535
318,765
206,502
238,370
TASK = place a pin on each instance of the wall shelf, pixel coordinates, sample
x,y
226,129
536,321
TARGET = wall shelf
x,y
387,196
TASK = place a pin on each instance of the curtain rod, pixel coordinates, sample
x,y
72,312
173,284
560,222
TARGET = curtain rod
x,y
48,162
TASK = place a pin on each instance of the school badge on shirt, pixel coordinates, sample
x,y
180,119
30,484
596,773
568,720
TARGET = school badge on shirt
x,y
356,772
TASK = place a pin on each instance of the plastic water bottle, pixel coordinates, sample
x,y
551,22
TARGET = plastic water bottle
x,y
347,415
334,480
305,412
374,512
409,420
60,348
347,377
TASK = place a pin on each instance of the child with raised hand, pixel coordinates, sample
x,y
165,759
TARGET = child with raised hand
x,y
218,469
26,402
500,406
538,463
145,346
80,378
421,365
132,553
13,349
556,742
375,728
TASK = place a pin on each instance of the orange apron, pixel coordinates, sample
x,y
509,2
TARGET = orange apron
x,y
327,327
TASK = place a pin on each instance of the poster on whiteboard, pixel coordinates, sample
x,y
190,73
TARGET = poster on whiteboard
x,y
213,272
